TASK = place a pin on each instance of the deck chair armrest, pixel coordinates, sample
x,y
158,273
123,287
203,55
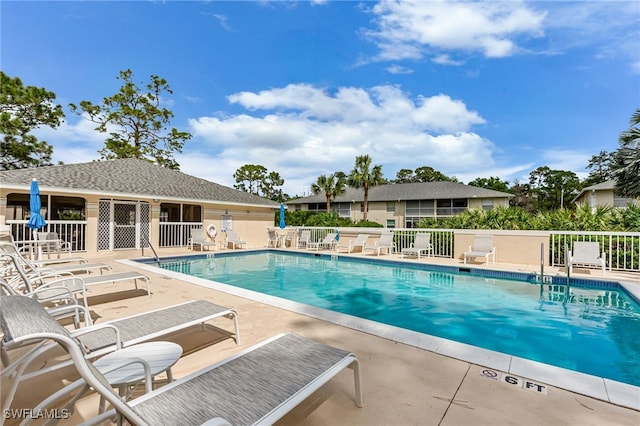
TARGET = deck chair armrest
x,y
97,327
72,283
71,309
52,293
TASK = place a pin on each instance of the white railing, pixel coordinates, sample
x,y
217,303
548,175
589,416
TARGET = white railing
x,y
176,234
71,231
622,249
441,239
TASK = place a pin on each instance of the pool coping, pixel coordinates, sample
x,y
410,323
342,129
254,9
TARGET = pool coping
x,y
608,390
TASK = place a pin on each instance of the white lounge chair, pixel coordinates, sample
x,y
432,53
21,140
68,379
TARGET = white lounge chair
x,y
230,392
234,239
272,238
482,247
587,253
360,241
385,242
100,339
198,239
421,244
303,238
327,242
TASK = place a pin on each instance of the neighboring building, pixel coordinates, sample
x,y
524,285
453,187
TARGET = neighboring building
x,y
121,204
404,205
602,194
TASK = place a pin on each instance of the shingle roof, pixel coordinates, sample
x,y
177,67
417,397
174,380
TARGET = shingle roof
x,y
129,176
409,191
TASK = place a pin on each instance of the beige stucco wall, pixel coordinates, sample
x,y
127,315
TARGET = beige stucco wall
x,y
476,203
521,247
378,213
602,198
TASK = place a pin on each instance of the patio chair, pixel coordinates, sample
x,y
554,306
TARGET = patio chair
x,y
56,299
234,239
482,247
303,238
272,238
385,242
360,241
197,238
587,253
55,246
327,242
11,248
421,244
257,386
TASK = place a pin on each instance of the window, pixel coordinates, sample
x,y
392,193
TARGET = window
x,y
343,209
317,207
391,223
391,206
170,212
459,205
62,208
451,207
191,213
416,210
487,204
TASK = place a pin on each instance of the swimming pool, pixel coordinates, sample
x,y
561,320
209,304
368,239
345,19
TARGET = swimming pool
x,y
591,330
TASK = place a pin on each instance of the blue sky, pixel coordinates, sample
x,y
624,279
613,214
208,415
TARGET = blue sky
x,y
472,89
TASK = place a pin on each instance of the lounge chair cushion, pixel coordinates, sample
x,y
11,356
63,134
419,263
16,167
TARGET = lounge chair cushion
x,y
143,327
242,390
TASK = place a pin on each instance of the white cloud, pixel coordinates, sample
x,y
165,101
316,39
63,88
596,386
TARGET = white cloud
x,y
446,60
398,69
409,29
306,131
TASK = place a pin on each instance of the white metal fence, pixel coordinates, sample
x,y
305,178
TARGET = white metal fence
x,y
70,231
621,249
441,239
176,234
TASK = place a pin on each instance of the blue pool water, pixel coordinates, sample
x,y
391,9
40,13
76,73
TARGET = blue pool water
x,y
593,330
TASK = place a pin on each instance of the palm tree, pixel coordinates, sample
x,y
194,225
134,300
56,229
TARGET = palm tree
x,y
626,165
331,185
365,177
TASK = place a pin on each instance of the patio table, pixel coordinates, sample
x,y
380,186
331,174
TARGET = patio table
x,y
160,356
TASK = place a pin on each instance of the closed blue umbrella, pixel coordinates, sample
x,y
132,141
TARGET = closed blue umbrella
x,y
282,224
36,221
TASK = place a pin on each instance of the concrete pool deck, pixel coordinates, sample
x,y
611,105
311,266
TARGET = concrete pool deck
x,y
403,384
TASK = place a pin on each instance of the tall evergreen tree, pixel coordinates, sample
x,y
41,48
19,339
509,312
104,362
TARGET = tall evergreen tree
x,y
137,125
22,109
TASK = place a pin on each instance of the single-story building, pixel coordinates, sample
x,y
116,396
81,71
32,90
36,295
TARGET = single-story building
x,y
603,194
404,205
123,204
